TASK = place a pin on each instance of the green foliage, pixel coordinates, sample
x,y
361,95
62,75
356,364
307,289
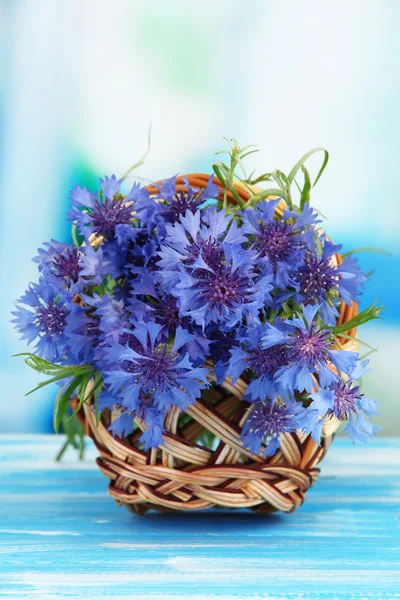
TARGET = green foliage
x,y
368,314
75,437
55,372
227,173
375,250
361,342
77,238
235,171
83,380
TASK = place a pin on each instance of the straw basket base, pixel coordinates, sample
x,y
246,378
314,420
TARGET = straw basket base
x,y
185,475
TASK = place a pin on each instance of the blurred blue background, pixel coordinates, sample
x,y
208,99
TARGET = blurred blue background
x,y
81,80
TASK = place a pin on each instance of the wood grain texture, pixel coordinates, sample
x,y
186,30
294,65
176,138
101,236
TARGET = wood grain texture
x,y
61,535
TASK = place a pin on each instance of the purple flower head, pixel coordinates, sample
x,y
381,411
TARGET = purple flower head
x,y
345,401
101,214
197,234
321,280
123,425
262,362
114,257
90,327
309,352
93,267
268,420
83,335
41,315
167,314
281,241
150,417
149,369
154,419
111,315
165,311
60,264
222,340
226,293
174,204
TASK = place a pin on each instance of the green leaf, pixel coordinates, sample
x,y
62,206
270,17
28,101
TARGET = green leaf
x,y
82,392
276,176
76,237
368,314
227,173
220,171
98,385
305,192
55,372
361,342
242,156
376,250
304,159
62,401
59,377
265,193
264,177
75,434
37,363
364,356
44,366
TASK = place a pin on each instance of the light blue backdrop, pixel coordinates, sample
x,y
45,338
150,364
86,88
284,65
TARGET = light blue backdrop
x,y
81,80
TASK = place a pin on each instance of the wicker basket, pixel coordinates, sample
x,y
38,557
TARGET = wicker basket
x,y
184,475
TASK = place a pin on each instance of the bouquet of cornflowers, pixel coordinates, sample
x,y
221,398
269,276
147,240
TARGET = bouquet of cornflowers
x,y
165,285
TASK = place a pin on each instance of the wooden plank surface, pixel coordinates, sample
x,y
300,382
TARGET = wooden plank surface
x,y
62,536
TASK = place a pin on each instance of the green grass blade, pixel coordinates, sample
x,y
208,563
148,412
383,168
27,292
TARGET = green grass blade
x,y
375,250
304,159
368,314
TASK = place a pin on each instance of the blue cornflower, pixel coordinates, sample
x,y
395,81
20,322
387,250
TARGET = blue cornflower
x,y
102,214
164,310
123,425
199,233
309,352
93,264
263,363
227,292
41,315
83,334
98,321
68,268
222,340
150,372
175,204
154,419
281,241
345,401
115,259
111,314
150,416
60,264
321,280
268,420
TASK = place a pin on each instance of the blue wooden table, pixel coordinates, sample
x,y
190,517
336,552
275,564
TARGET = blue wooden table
x,y
62,536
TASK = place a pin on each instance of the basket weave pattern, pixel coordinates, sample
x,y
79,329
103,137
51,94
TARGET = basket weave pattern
x,y
184,475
